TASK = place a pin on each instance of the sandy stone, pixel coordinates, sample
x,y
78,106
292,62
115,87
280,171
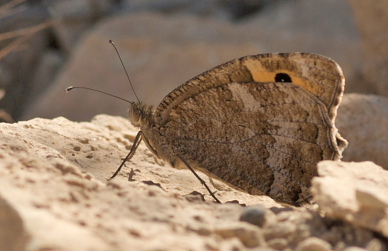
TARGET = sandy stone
x,y
54,188
46,71
313,244
98,148
354,192
76,18
12,234
376,245
373,26
255,215
362,120
278,243
249,236
354,249
53,173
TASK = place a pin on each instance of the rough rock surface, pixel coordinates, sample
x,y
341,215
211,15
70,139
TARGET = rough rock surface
x,y
373,26
355,192
54,193
363,121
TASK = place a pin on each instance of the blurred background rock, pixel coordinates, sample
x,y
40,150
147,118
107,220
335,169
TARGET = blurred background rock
x,y
46,46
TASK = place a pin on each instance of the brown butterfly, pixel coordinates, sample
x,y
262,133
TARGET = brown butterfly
x,y
260,123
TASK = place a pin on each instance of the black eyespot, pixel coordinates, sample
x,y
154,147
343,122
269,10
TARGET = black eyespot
x,y
283,77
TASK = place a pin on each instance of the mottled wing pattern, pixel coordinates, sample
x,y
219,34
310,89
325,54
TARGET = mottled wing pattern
x,y
315,73
237,122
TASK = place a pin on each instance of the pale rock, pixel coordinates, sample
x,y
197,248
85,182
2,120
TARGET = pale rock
x,y
355,249
278,243
288,228
53,182
54,175
354,192
376,245
12,234
363,121
98,148
372,22
249,235
74,18
313,244
45,73
255,215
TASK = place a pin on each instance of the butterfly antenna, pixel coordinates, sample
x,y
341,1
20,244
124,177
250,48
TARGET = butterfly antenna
x,y
91,89
129,80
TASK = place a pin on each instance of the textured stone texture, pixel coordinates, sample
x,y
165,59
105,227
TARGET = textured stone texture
x,y
355,192
372,21
12,234
363,121
53,188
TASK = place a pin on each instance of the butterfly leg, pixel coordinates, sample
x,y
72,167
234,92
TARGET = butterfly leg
x,y
153,151
130,154
199,178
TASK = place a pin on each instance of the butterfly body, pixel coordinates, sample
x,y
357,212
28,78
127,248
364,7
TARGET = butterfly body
x,y
260,123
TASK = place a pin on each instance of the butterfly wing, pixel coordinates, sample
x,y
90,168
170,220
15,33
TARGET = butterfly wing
x,y
256,136
260,122
319,75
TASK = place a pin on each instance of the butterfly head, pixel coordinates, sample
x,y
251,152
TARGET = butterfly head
x,y
140,114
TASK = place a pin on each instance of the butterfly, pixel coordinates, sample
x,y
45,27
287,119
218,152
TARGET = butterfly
x,y
260,123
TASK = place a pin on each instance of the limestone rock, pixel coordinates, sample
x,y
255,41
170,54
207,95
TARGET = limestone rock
x,y
54,175
363,121
373,26
354,192
54,189
314,243
12,234
47,68
98,148
75,18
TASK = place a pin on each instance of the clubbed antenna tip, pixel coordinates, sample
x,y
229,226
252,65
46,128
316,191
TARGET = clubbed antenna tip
x,y
69,89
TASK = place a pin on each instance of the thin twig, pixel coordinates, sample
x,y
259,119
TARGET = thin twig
x,y
13,11
24,34
24,31
6,7
15,44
